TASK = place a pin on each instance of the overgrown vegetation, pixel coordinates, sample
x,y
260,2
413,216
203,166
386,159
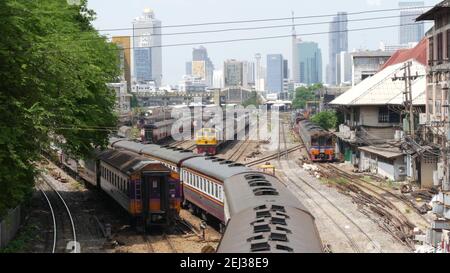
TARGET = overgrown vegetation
x,y
25,235
305,94
326,119
54,67
253,100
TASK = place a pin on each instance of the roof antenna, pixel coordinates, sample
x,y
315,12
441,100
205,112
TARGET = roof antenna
x,y
293,24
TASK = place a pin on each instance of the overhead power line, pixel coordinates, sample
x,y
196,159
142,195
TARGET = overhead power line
x,y
269,19
261,38
248,28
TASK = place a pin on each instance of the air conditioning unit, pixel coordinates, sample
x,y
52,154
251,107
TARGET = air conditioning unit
x,y
402,170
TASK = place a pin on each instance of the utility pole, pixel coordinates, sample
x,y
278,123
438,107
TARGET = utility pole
x,y
408,104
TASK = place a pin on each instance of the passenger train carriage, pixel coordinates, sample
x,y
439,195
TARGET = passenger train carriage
x,y
149,191
257,213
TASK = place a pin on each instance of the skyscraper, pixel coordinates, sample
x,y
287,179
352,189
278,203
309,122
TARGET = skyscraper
x,y
147,48
199,55
410,30
338,42
285,69
258,73
233,73
248,74
275,73
310,63
124,42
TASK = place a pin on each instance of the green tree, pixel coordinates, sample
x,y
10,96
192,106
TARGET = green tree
x,y
305,94
253,100
326,119
54,68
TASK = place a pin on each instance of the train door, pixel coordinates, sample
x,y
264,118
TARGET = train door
x,y
156,197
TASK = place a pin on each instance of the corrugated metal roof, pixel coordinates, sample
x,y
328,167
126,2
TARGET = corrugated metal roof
x,y
386,87
418,53
386,152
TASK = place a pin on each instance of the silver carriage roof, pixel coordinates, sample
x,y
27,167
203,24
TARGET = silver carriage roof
x,y
216,168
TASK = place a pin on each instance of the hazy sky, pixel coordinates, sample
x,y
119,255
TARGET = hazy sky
x,y
120,13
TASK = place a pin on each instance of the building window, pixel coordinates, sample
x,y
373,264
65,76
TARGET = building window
x,y
448,44
440,47
431,50
387,116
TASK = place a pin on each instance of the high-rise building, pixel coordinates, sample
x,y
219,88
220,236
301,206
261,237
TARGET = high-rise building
x,y
295,61
200,55
258,73
275,73
188,68
410,30
310,63
344,68
338,42
147,48
233,73
248,74
218,81
285,69
124,42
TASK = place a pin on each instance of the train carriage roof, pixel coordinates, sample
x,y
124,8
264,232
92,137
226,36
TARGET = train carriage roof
x,y
216,168
126,144
158,152
127,162
271,229
313,128
257,188
176,156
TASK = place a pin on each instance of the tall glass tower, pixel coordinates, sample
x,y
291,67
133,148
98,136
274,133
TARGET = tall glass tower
x,y
338,42
147,48
410,30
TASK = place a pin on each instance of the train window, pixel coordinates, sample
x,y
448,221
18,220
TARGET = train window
x,y
215,191
220,193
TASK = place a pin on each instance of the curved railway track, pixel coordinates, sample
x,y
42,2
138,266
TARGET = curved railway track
x,y
389,199
64,231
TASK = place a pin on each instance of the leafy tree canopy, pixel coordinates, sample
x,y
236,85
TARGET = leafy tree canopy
x,y
326,119
54,68
304,94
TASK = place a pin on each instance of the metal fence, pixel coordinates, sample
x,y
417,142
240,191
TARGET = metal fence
x,y
9,225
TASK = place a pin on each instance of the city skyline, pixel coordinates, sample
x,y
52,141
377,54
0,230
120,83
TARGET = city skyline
x,y
118,15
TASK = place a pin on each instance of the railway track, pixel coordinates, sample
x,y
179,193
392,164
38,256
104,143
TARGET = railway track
x,y
274,156
241,149
335,214
389,199
64,231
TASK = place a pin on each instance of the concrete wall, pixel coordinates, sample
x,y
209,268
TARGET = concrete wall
x,y
9,226
386,168
426,173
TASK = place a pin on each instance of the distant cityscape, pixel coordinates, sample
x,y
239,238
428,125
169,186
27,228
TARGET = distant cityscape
x,y
142,61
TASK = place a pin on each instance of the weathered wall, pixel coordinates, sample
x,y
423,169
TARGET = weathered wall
x,y
9,226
